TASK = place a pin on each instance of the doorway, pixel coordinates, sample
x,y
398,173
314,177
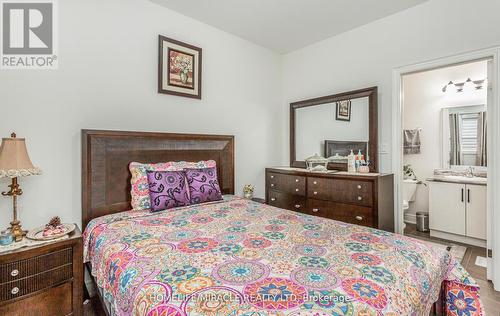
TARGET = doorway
x,y
466,116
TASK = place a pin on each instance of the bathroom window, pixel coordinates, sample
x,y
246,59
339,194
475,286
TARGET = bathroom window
x,y
468,133
464,136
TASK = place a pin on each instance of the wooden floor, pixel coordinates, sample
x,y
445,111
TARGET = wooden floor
x,y
490,297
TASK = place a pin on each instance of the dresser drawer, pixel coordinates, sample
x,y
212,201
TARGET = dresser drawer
x,y
348,213
21,287
340,190
15,270
287,201
287,183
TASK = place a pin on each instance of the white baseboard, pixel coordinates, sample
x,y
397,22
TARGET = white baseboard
x,y
459,238
410,218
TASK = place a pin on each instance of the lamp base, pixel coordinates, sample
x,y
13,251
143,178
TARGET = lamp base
x,y
17,232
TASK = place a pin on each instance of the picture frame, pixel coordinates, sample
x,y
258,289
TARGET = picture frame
x,y
179,68
343,110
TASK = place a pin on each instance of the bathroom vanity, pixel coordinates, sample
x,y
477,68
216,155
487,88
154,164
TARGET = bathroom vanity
x,y
457,209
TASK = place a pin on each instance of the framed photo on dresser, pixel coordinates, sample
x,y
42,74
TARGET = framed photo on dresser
x,y
179,68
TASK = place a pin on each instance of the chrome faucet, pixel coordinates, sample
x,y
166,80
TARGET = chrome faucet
x,y
470,172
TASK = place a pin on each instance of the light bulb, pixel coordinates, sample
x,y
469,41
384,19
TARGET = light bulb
x,y
469,86
450,88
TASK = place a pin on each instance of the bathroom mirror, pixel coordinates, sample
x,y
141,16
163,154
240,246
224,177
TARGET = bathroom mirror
x,y
332,126
464,134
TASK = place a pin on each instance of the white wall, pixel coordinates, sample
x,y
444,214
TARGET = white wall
x,y
366,56
423,102
315,124
107,80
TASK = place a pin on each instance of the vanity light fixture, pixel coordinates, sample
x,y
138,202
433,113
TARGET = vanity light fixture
x,y
450,87
468,85
481,84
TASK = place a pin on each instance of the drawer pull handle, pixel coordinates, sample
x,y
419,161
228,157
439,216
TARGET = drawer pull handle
x,y
315,193
359,198
315,182
359,186
14,291
296,180
297,205
14,272
359,218
315,210
273,199
272,184
296,190
272,177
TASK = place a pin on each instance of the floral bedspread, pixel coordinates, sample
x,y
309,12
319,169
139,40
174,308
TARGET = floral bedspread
x,y
238,257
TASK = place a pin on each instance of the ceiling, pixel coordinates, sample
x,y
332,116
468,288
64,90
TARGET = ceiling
x,y
287,25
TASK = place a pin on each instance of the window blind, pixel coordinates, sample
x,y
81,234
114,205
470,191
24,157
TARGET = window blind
x,y
468,133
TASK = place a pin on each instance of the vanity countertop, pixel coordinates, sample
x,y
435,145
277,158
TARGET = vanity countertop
x,y
458,179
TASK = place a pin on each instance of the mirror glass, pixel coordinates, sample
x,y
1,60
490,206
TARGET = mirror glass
x,y
341,126
464,136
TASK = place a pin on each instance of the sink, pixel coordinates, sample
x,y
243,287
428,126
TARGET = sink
x,y
463,179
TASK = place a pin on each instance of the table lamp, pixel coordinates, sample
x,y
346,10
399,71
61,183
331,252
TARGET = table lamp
x,y
14,163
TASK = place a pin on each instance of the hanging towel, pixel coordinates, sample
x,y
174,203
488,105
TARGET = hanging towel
x,y
411,143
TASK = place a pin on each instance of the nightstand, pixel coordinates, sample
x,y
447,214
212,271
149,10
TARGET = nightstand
x,y
46,279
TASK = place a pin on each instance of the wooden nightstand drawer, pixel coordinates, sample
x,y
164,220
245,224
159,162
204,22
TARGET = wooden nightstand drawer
x,y
22,268
18,288
54,302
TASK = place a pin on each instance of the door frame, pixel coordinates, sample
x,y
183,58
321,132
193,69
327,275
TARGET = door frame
x,y
493,108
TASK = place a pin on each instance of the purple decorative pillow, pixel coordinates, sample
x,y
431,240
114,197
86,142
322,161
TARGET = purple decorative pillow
x,y
167,189
203,185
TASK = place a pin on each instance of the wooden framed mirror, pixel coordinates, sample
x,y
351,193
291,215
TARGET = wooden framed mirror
x,y
333,125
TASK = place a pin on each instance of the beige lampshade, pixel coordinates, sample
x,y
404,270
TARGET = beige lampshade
x,y
14,159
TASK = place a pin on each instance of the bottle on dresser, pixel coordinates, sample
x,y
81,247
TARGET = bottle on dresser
x,y
351,162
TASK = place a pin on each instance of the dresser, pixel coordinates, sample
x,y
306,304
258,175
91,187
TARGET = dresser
x,y
363,199
43,280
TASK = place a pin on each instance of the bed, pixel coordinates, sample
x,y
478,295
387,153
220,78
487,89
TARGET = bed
x,y
239,257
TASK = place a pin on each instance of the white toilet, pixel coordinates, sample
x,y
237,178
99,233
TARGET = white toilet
x,y
409,190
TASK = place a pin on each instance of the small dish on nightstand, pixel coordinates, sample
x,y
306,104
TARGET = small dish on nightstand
x,y
41,233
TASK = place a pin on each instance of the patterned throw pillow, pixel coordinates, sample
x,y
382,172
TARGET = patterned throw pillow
x,y
167,189
203,185
139,181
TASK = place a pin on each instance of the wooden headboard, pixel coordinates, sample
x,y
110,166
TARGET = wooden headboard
x,y
106,156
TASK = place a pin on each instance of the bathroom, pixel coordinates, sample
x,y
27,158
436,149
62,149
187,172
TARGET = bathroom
x,y
445,158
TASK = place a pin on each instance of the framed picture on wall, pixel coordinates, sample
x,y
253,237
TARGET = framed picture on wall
x,y
179,68
343,110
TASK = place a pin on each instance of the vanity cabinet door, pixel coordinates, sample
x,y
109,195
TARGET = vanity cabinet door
x,y
476,211
447,207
